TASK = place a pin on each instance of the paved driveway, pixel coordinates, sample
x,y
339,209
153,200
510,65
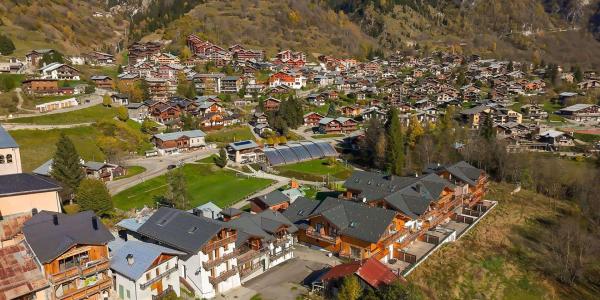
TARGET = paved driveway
x,y
284,281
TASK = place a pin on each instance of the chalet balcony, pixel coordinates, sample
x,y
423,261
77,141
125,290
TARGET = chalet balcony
x,y
223,276
88,291
281,253
248,271
163,294
219,260
159,277
249,255
219,243
92,267
322,237
281,242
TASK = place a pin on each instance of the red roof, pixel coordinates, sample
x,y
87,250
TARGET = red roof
x,y
372,271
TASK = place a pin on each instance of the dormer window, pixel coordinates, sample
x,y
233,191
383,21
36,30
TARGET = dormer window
x,y
192,230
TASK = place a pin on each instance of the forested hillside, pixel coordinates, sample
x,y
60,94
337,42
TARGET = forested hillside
x,y
69,26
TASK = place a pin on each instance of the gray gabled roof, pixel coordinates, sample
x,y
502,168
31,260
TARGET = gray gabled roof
x,y
175,135
353,219
262,225
49,240
144,254
6,141
24,183
273,198
180,230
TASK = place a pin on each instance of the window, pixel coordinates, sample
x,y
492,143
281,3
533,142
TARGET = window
x,y
9,158
355,252
148,276
1,159
128,294
72,261
157,272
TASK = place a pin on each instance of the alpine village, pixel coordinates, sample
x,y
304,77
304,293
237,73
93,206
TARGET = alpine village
x,y
299,149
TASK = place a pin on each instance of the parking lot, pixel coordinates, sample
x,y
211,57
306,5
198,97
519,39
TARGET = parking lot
x,y
284,281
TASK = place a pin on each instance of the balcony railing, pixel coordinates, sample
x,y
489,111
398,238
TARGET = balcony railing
x,y
281,241
158,278
281,253
248,255
163,293
80,271
219,260
88,291
219,243
326,238
245,272
223,276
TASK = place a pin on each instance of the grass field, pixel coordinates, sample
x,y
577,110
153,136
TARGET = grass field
x,y
230,134
495,260
91,114
204,183
314,170
132,171
37,146
551,108
327,136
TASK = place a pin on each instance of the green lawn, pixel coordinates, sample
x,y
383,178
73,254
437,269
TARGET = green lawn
x,y
314,170
91,114
327,136
132,171
38,146
10,81
230,134
550,108
204,182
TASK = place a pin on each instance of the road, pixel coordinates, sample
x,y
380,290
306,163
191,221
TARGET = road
x,y
19,126
155,166
21,100
94,99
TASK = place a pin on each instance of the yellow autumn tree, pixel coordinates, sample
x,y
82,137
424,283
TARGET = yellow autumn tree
x,y
415,131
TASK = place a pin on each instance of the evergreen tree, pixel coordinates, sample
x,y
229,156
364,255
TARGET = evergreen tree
x,y
350,289
66,166
143,86
578,74
486,129
51,57
6,45
395,143
510,67
177,189
332,111
221,159
93,195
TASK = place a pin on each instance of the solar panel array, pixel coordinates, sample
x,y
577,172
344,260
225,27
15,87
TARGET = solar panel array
x,y
298,152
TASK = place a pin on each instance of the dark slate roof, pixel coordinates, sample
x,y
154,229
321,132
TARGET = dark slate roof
x,y
273,198
461,170
354,219
409,195
49,240
6,141
180,230
25,183
261,225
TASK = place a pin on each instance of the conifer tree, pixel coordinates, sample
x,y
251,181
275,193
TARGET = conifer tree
x,y
93,195
395,143
486,129
66,166
221,160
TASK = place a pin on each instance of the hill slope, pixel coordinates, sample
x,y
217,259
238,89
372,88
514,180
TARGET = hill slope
x,y
271,25
68,26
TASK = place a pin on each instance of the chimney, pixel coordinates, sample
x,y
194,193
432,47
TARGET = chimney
x,y
418,188
55,219
130,259
95,222
34,211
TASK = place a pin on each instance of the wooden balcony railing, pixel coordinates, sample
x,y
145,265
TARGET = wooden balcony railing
x,y
326,238
80,271
219,243
223,276
219,260
248,255
245,272
88,291
158,278
163,293
281,253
